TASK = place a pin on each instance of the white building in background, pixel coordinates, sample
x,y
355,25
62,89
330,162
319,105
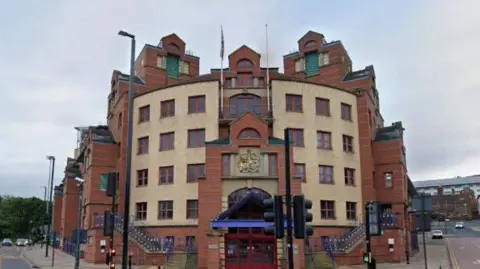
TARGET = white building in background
x,y
450,185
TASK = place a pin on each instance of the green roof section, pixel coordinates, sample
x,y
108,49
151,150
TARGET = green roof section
x,y
226,141
393,132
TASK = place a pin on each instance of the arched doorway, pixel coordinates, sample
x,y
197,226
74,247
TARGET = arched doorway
x,y
243,103
248,247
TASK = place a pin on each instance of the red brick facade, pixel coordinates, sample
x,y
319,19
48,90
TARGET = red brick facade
x,y
376,157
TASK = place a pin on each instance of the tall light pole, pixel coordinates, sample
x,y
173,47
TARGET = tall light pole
x,y
79,221
45,198
49,224
128,165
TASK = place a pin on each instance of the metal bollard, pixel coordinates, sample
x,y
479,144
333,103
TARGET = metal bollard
x,y
130,261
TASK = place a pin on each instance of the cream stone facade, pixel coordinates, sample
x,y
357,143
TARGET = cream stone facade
x,y
310,155
180,191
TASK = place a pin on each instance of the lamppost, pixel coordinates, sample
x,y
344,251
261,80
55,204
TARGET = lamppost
x,y
128,165
45,197
80,182
49,224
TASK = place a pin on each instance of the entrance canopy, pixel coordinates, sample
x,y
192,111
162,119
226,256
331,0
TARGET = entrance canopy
x,y
223,219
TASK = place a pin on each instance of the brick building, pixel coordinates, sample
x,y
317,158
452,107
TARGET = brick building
x,y
455,205
204,157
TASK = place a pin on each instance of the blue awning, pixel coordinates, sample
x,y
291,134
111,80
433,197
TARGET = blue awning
x,y
239,223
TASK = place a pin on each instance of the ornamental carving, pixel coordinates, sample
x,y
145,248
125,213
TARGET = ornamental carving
x,y
248,162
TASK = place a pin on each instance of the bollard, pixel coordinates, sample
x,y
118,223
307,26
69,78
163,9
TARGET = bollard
x,y
130,261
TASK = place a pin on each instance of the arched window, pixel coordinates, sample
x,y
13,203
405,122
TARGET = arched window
x,y
310,44
173,47
244,63
249,133
243,103
241,193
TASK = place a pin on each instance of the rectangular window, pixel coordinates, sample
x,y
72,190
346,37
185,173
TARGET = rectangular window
x,y
294,103
324,140
327,209
323,59
196,104
167,141
142,177
244,80
296,137
141,211
166,175
388,179
225,164
195,171
349,176
325,174
322,107
346,112
272,165
300,65
144,114
143,144
167,108
300,171
165,210
192,209
347,143
351,208
196,138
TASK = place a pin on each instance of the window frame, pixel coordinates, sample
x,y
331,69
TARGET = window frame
x,y
142,177
143,149
294,103
168,177
325,209
141,213
318,107
144,114
323,176
195,171
167,108
321,135
194,138
190,210
196,104
165,210
346,111
170,137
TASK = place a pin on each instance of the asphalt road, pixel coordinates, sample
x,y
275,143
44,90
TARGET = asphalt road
x,y
11,258
464,243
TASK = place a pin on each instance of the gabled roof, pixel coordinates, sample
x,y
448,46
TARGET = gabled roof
x,y
244,47
311,33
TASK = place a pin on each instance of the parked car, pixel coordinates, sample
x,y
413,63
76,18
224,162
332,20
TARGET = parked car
x,y
22,242
459,225
437,234
7,242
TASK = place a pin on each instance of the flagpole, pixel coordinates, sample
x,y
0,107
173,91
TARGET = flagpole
x,y
222,51
268,71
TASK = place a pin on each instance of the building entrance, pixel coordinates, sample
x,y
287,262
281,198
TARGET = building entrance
x,y
248,247
250,250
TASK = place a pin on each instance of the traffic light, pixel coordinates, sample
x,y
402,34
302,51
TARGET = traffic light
x,y
111,184
274,214
108,220
367,257
301,216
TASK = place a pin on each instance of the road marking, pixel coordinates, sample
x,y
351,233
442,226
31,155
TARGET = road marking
x,y
476,262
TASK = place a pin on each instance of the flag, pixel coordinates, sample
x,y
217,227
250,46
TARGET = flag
x,y
222,45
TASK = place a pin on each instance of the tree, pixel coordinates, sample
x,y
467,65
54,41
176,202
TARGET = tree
x,y
18,216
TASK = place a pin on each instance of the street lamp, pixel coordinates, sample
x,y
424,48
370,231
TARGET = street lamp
x,y
128,165
45,198
49,224
80,182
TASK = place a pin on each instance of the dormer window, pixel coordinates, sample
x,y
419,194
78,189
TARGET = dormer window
x,y
244,63
310,44
173,47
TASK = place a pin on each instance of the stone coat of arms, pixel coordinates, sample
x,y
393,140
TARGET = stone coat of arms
x,y
248,162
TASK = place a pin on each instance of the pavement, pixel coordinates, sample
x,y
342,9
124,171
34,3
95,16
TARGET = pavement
x,y
35,256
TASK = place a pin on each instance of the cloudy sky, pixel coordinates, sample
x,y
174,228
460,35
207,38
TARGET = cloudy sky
x,y
56,59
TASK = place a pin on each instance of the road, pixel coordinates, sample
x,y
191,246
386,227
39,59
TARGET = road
x,y
11,258
464,243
